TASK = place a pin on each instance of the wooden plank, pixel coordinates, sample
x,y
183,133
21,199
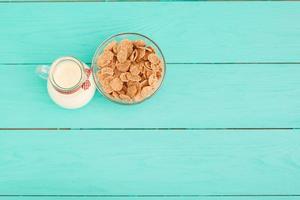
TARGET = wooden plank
x,y
89,1
123,198
156,198
192,96
149,162
198,32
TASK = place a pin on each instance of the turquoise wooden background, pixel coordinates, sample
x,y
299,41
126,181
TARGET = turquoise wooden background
x,y
225,125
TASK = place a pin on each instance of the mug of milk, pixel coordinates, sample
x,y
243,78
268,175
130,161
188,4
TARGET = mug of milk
x,y
69,82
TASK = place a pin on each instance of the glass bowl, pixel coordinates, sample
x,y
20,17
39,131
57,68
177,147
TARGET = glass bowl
x,y
118,38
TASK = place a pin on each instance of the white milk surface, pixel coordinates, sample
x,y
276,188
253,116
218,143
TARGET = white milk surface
x,y
66,74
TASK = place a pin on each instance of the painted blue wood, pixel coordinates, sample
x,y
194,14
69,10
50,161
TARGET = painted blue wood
x,y
150,162
155,162
192,96
186,32
155,198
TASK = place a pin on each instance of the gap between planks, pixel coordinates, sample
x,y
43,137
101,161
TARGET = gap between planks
x,y
141,129
106,1
186,63
110,1
146,195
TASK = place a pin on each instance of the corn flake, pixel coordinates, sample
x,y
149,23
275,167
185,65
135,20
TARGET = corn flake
x,y
123,67
134,69
125,97
116,84
122,55
152,79
146,91
107,70
153,58
105,59
139,43
111,46
131,91
134,55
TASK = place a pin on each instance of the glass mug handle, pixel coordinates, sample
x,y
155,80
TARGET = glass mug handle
x,y
43,71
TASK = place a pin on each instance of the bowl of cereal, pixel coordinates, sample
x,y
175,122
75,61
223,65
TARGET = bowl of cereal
x,y
128,68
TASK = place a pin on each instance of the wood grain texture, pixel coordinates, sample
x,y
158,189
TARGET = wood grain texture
x,y
149,162
92,1
216,32
155,162
155,198
125,198
192,96
127,1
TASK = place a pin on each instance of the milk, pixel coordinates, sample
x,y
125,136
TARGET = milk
x,y
66,73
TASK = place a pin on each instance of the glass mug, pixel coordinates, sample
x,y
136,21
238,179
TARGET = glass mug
x,y
69,82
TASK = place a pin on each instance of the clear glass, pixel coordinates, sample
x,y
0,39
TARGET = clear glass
x,y
45,72
118,38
